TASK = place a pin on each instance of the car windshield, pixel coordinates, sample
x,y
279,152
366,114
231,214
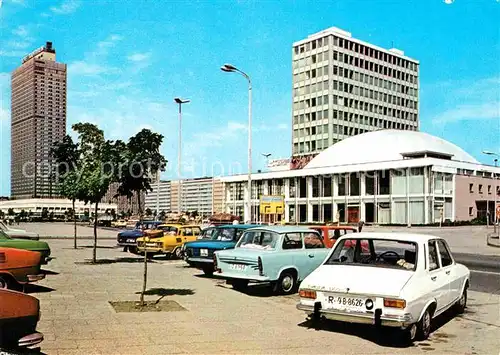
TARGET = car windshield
x,y
375,252
224,234
258,240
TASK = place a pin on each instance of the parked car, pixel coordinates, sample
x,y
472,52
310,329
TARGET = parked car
x,y
332,233
403,280
19,316
200,253
280,255
128,238
19,266
121,223
33,245
170,243
18,233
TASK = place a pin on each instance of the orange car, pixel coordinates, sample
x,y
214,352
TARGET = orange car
x,y
19,315
332,233
19,266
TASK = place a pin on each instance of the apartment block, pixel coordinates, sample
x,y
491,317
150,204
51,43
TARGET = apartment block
x,y
38,112
343,86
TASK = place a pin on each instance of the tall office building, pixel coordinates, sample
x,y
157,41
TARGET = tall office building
x,y
343,86
38,120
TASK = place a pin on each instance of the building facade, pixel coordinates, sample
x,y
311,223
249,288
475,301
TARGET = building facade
x,y
343,87
123,203
163,199
38,110
204,195
381,177
57,206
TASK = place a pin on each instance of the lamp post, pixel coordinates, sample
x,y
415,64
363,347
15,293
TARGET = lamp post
x,y
495,220
232,69
180,102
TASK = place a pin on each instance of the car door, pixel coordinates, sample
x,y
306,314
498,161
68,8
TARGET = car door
x,y
439,286
315,251
292,253
448,267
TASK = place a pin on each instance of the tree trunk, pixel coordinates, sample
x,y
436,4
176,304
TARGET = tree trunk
x,y
145,279
94,254
74,222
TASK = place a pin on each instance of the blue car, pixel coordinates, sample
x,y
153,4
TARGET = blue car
x,y
128,238
279,256
200,253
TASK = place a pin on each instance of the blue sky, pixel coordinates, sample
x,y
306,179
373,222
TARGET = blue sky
x,y
127,60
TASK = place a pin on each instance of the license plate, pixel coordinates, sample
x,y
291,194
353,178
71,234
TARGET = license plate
x,y
239,267
203,252
130,240
342,302
151,245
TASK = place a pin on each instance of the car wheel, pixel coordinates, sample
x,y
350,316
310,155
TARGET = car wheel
x,y
4,282
178,253
209,271
409,334
287,283
239,285
424,326
462,302
133,250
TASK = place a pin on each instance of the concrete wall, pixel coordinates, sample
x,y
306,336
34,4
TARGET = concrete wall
x,y
465,197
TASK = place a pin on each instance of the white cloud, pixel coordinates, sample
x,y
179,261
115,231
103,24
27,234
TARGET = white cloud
x,y
139,57
478,100
18,54
20,31
84,68
66,7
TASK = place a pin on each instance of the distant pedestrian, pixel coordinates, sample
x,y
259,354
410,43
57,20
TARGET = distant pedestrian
x,y
360,226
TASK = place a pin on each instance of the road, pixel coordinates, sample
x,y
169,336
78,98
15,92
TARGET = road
x,y
485,271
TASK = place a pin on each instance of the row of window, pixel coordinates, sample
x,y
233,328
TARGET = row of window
x,y
357,48
480,189
354,104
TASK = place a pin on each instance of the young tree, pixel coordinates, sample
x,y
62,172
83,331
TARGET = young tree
x,y
97,168
143,161
148,212
66,155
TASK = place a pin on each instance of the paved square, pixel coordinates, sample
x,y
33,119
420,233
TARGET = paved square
x,y
78,319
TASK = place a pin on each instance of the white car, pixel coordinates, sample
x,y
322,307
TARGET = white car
x,y
386,279
18,233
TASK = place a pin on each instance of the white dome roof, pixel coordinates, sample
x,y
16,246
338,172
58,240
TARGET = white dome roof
x,y
386,145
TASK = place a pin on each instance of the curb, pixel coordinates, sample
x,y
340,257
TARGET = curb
x,y
492,240
63,237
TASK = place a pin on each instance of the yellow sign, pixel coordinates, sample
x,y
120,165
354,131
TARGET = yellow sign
x,y
272,204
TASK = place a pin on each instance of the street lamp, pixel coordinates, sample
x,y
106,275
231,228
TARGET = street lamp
x,y
232,69
495,220
180,102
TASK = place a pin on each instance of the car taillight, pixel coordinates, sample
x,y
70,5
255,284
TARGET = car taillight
x,y
307,294
394,303
261,268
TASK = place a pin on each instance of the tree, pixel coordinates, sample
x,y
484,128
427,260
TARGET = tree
x,y
10,212
51,216
162,215
113,214
66,156
45,213
143,161
123,214
148,212
98,159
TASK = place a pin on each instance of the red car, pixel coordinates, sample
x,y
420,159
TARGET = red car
x,y
19,266
332,233
19,315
